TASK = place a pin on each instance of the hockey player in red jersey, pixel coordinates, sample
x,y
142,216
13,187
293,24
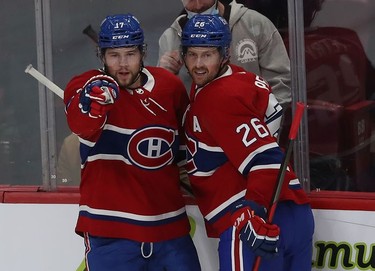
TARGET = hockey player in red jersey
x,y
233,159
128,120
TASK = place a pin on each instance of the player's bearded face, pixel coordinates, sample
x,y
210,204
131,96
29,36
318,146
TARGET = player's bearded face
x,y
124,65
203,64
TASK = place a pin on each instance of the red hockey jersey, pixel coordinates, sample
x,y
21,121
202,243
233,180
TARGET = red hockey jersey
x,y
231,152
130,177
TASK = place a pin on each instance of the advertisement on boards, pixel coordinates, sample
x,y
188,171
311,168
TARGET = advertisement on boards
x,y
41,237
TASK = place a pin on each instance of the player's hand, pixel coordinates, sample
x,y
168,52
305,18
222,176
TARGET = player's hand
x,y
171,61
261,237
98,95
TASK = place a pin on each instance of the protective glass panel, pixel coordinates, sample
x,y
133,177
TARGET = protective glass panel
x,y
74,28
20,159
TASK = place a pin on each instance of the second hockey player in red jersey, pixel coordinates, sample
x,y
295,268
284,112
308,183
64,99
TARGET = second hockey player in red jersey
x,y
128,119
233,158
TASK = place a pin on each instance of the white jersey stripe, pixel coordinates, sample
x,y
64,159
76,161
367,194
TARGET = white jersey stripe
x,y
270,166
209,148
108,157
254,153
225,204
148,218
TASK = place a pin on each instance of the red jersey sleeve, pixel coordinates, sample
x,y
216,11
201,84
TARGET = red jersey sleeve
x,y
235,120
80,123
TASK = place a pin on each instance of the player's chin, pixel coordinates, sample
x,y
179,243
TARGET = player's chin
x,y
123,80
200,79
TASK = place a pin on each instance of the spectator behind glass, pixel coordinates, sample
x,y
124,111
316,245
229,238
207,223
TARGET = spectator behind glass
x,y
256,44
69,162
340,85
128,118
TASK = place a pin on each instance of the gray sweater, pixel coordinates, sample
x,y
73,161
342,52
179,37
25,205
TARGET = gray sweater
x,y
256,46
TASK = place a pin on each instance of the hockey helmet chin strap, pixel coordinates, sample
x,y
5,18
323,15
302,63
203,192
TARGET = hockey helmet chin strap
x,y
223,65
136,78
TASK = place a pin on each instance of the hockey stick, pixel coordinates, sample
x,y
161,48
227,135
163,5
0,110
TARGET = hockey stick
x,y
45,81
89,31
284,164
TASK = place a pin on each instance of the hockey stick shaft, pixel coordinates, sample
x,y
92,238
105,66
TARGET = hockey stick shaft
x,y
91,33
284,165
45,81
283,168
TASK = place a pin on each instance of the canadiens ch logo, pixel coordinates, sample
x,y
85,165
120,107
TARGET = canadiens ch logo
x,y
246,51
151,147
